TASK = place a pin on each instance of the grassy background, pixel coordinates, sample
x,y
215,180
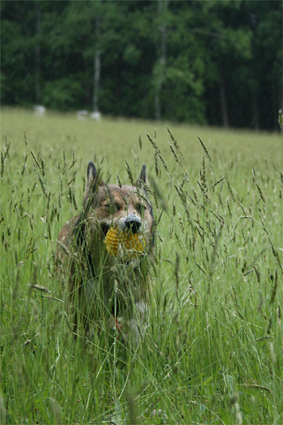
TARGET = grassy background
x,y
213,351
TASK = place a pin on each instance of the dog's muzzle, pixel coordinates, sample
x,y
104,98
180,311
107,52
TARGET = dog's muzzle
x,y
133,223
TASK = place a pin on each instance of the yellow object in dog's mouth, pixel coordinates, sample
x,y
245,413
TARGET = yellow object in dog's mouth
x,y
132,242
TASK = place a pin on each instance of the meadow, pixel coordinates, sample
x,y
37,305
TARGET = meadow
x,y
212,353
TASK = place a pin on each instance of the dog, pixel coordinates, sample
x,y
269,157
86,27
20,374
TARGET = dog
x,y
105,288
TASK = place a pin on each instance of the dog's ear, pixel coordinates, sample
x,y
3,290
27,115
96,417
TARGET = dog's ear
x,y
91,173
142,178
93,178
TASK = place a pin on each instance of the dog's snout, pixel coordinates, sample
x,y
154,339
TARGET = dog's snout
x,y
133,223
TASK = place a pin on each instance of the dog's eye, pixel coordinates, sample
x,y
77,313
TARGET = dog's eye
x,y
140,208
112,207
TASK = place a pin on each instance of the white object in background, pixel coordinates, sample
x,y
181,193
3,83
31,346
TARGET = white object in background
x,y
95,116
39,110
82,115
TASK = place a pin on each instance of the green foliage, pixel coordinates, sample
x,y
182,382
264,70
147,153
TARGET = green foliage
x,y
48,47
212,352
62,94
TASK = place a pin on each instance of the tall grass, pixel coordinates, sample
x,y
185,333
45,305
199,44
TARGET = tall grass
x,y
213,350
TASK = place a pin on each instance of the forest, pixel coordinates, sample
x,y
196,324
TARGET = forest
x,y
214,63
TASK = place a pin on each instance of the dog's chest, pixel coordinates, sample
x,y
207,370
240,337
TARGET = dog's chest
x,y
116,281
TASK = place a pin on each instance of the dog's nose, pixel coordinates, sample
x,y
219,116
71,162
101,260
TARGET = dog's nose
x,y
133,223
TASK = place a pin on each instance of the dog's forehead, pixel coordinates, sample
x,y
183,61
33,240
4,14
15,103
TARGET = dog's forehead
x,y
124,192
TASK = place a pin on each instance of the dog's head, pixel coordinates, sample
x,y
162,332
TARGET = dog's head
x,y
124,207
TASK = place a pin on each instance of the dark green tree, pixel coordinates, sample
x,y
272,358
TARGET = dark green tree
x,y
214,62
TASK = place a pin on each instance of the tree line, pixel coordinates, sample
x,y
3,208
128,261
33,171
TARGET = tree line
x,y
205,62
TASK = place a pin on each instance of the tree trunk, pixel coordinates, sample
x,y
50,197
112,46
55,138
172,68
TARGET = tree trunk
x,y
161,60
38,56
96,72
96,81
275,105
223,102
255,121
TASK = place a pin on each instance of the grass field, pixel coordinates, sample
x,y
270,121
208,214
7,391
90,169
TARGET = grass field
x,y
213,352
